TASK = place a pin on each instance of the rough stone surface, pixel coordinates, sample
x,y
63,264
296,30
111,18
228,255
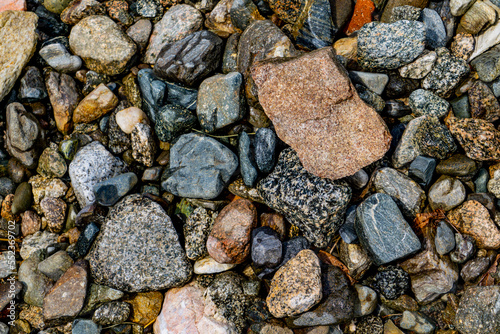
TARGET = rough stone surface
x,y
483,103
112,313
64,97
334,116
420,67
477,312
96,104
423,102
487,65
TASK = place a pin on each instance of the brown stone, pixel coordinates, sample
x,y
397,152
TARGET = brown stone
x,y
362,14
287,10
275,221
8,292
474,219
30,223
145,307
341,12
54,210
66,298
78,9
479,138
483,103
98,103
316,110
229,240
70,236
386,15
462,46
64,97
7,208
219,20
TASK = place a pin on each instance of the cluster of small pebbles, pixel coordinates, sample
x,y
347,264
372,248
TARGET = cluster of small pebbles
x,y
249,166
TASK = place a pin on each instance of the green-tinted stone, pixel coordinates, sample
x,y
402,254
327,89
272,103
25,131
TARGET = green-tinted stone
x,y
172,121
51,164
23,198
68,148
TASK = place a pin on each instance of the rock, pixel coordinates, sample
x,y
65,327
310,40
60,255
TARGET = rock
x,y
296,287
402,303
208,166
363,11
55,265
487,65
486,40
112,313
42,187
459,7
23,198
392,282
474,219
56,6
13,5
477,137
367,300
208,265
422,170
98,103
40,240
370,324
420,67
315,205
446,73
376,82
435,32
24,135
457,165
424,135
391,4
477,311
102,45
219,19
401,188
423,102
32,88
286,108
220,101
483,103
59,58
379,216
229,240
461,107
267,249
447,193
196,230
247,162
481,14
91,165
65,299
462,46
36,284
85,240
153,92
287,10
51,164
145,307
276,222
54,210
406,12
177,23
371,98
464,249
445,238
182,96
31,223
98,295
85,326
405,40
127,118
64,98
242,13
474,268
18,36
265,146
347,231
417,323
391,328
116,265
8,291
193,63
78,9
109,191
143,144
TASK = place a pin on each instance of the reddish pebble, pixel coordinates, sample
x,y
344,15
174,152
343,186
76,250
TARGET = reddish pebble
x,y
362,14
12,5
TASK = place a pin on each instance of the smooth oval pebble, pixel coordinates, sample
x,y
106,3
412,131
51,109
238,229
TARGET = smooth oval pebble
x,y
128,118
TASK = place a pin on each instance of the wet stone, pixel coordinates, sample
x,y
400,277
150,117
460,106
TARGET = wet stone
x,y
422,170
445,238
153,92
172,121
247,163
423,102
464,249
317,30
183,96
32,88
266,247
108,192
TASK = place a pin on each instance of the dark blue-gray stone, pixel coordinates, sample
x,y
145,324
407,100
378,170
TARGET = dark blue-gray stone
x,y
396,133
445,238
172,121
348,231
315,205
32,87
317,30
6,186
267,249
85,240
200,167
220,101
153,92
247,164
481,181
108,192
461,106
290,248
376,82
182,96
85,326
422,170
435,32
265,149
382,230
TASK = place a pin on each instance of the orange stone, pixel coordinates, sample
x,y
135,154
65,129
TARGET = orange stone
x,y
362,14
12,5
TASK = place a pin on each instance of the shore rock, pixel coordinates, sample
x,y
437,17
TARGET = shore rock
x,y
477,312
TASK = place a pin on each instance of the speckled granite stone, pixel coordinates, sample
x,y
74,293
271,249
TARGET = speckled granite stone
x,y
296,287
196,229
483,103
111,313
148,256
313,204
478,311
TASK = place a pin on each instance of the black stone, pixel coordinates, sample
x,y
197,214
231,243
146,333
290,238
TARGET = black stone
x,y
247,163
347,230
290,248
85,240
265,149
396,133
392,282
50,23
153,92
267,249
172,121
182,96
422,170
32,87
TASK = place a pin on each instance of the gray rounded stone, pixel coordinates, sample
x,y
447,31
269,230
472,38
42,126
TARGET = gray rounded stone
x,y
447,193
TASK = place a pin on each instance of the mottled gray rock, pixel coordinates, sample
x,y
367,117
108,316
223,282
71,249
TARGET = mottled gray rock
x,y
112,313
91,165
172,121
417,322
487,65
85,326
136,263
315,205
265,141
55,265
108,192
420,67
422,170
447,193
200,167
37,241
478,311
36,284
32,87
143,144
247,162
60,59
196,230
390,45
423,102
98,295
382,230
267,250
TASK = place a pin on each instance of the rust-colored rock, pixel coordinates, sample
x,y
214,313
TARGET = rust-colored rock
x,y
316,110
12,5
31,223
98,103
145,307
362,14
7,208
483,103
229,240
474,219
64,97
275,221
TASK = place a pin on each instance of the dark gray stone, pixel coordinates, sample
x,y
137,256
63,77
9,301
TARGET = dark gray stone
x,y
394,108
481,181
445,238
423,102
478,311
417,322
136,263
200,167
474,268
267,249
172,121
317,30
487,65
85,240
376,82
55,265
392,282
23,197
32,87
108,192
461,106
465,247
85,326
422,170
290,249
315,205
265,141
242,13
182,96
247,163
6,186
36,284
435,32
191,59
457,165
230,57
348,231
382,230
112,313
59,58
371,98
153,92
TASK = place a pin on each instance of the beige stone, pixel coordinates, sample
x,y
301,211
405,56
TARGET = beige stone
x,y
98,103
128,118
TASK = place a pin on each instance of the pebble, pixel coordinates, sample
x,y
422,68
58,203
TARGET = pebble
x,y
221,101
392,282
465,247
477,311
474,219
31,223
459,7
474,269
143,144
446,193
296,287
265,142
487,65
435,32
457,165
347,231
13,5
35,284
140,31
370,324
91,165
77,10
84,326
51,163
318,30
417,322
406,12
102,45
127,118
315,205
363,11
420,67
60,59
480,15
207,266
293,111
194,63
267,250
98,295
367,300
483,102
405,40
112,313
183,96
153,92
172,121
54,210
117,265
376,82
96,104
219,19
391,328
64,97
110,191
445,238
55,265
195,153
391,4
40,240
31,87
145,307
423,102
247,162
229,240
23,197
422,170
400,304
462,46
196,230
379,213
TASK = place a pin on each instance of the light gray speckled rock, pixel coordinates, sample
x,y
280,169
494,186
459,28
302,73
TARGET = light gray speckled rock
x,y
38,241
